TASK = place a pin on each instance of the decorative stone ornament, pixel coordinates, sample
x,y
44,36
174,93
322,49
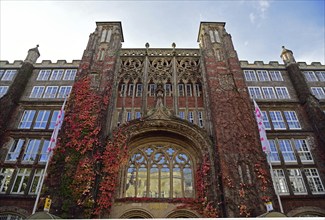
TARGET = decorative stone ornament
x,y
33,55
287,56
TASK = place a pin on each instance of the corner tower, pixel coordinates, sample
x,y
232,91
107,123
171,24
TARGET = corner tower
x,y
243,170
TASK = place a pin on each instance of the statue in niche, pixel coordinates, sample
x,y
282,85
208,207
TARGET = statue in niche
x,y
160,95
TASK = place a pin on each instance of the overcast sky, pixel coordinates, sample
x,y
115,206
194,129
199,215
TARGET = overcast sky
x,y
258,28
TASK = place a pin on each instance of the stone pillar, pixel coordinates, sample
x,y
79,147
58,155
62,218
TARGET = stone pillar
x,y
9,102
309,102
242,164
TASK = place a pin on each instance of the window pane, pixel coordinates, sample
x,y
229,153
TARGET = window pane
x,y
42,119
15,149
31,150
27,119
5,176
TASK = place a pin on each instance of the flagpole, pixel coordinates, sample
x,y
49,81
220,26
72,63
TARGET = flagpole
x,y
266,147
50,153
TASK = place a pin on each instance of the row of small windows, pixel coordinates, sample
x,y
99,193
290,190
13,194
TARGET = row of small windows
x,y
7,75
278,123
296,181
20,180
286,149
318,92
182,89
312,76
50,92
3,90
181,114
268,92
262,75
44,75
41,121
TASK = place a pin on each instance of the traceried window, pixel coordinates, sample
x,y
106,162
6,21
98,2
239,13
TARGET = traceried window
x,y
296,181
131,88
191,117
43,75
303,150
5,177
310,76
263,75
70,74
3,90
56,75
168,89
214,36
250,75
314,181
276,75
200,118
122,90
188,89
198,89
180,89
159,171
282,92
15,149
152,89
280,181
255,92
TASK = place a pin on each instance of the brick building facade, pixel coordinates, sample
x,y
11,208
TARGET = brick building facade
x,y
162,132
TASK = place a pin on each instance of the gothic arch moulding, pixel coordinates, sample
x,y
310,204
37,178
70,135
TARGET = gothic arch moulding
x,y
306,211
182,214
136,213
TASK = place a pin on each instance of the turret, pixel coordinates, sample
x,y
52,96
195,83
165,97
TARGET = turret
x,y
33,55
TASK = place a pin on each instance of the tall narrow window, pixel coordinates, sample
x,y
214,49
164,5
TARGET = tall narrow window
x,y
303,150
198,89
200,117
280,181
168,89
44,154
263,75
287,151
274,156
3,90
14,150
255,92
64,91
131,87
1,73
292,120
37,92
36,181
54,118
20,183
180,89
152,89
123,90
190,117
296,181
314,181
42,119
188,90
138,115
154,170
181,114
27,119
268,93
128,116
56,75
50,92
277,120
266,121
282,92
139,90
250,75
276,75
43,75
5,177
31,151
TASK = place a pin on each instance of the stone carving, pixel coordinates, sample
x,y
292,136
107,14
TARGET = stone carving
x,y
188,69
131,69
160,70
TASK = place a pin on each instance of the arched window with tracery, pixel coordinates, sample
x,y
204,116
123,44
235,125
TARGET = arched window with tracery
x,y
159,171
